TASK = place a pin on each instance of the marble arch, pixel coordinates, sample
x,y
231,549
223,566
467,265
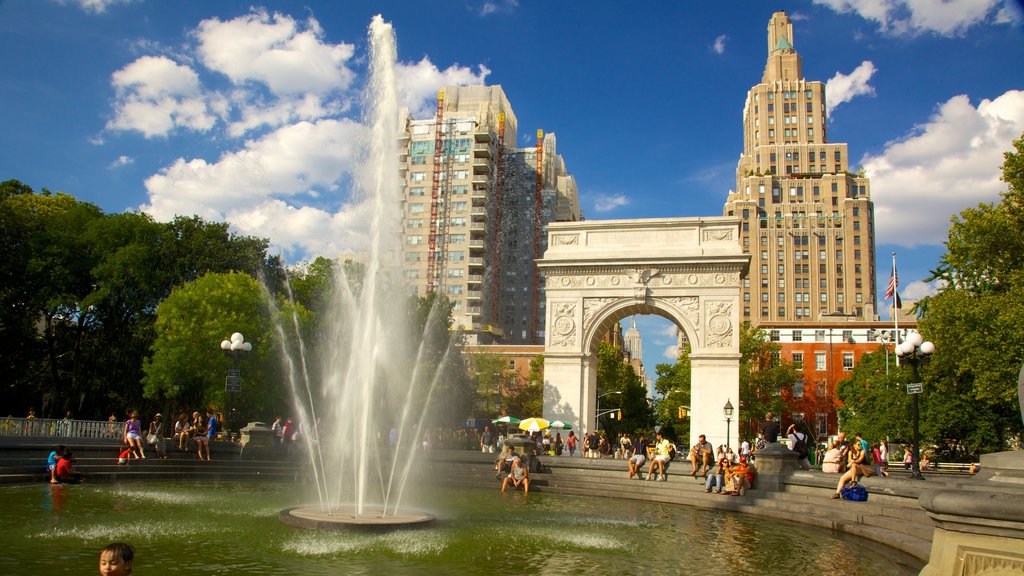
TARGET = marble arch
x,y
687,270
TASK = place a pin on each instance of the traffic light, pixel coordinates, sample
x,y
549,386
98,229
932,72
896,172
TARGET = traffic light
x,y
618,415
682,412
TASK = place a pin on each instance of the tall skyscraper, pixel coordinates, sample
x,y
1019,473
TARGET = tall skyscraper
x,y
633,344
807,221
475,213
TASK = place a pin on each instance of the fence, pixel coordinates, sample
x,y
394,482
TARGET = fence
x,y
63,428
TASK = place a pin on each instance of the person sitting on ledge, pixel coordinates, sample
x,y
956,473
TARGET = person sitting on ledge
x,y
855,468
830,462
638,458
716,478
662,448
742,476
505,460
66,473
518,475
52,460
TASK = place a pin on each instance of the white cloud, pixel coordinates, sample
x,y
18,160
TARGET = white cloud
x,y
917,290
719,45
950,163
944,17
121,161
154,95
257,114
607,203
495,6
843,88
418,84
671,352
250,188
276,51
95,6
291,94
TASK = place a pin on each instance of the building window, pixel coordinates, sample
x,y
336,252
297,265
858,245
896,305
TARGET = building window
x,y
798,360
819,335
848,335
847,361
798,388
456,256
774,335
819,361
416,191
798,335
455,290
414,239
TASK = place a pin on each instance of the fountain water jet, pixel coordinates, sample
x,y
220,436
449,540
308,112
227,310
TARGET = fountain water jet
x,y
363,434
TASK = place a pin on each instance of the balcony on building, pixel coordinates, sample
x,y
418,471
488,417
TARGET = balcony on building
x,y
474,295
474,279
475,263
481,150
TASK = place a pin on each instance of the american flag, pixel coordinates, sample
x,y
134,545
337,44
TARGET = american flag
x,y
894,283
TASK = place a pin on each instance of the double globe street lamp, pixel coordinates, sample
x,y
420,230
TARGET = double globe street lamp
x,y
914,350
233,383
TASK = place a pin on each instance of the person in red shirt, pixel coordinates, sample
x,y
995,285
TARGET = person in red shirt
x,y
66,472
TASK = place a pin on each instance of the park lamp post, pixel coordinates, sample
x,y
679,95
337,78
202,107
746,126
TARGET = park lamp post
x,y
914,350
727,410
599,414
233,383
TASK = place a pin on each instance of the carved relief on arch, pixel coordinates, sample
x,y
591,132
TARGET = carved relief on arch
x,y
688,308
719,324
563,326
591,306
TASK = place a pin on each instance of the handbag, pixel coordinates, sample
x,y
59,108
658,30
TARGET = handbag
x,y
151,439
856,492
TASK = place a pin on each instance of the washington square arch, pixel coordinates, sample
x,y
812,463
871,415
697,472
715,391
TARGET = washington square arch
x,y
686,270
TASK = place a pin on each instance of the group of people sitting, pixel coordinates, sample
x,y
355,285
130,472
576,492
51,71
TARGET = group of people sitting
x,y
61,465
730,476
198,431
518,473
854,460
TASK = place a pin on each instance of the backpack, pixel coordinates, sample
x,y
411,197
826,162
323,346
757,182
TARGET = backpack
x,y
800,446
855,492
671,451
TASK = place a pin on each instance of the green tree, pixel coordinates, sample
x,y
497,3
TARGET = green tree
x,y
763,378
188,367
974,321
620,388
673,383
488,374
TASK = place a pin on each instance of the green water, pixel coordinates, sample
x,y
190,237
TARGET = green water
x,y
232,528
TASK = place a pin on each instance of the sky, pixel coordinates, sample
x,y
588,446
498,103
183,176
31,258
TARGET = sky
x,y
251,112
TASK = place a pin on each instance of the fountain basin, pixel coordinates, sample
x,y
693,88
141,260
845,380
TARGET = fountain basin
x,y
346,518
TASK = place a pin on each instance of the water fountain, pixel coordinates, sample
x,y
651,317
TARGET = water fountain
x,y
368,400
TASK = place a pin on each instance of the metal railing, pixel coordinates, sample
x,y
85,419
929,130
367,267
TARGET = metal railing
x,y
37,427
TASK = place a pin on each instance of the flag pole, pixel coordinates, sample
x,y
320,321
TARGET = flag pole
x,y
895,308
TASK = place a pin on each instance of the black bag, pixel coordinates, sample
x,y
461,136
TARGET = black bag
x,y
800,446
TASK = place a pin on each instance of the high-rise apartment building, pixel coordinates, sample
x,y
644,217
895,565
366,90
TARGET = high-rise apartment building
x,y
475,212
807,221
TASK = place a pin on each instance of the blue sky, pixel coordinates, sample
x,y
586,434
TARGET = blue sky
x,y
249,112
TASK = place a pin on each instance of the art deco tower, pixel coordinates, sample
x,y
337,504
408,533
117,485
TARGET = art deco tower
x,y
807,221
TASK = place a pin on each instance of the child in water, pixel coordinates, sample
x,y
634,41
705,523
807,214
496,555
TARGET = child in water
x,y
116,559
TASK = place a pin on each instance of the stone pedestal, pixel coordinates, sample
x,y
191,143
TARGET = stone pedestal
x,y
774,463
257,441
980,528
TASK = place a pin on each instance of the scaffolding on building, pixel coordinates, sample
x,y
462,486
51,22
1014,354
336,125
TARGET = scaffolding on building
x,y
440,199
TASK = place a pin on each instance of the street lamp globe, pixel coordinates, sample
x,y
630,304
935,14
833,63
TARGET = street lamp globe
x,y
727,409
927,348
914,339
